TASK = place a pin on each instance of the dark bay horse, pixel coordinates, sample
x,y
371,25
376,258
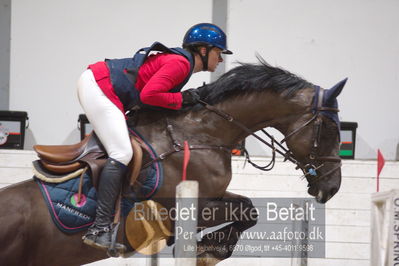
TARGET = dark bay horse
x,y
255,95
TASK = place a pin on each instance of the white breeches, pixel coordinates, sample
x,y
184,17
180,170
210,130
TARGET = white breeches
x,y
107,120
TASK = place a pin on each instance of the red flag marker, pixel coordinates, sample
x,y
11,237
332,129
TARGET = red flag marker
x,y
380,165
186,160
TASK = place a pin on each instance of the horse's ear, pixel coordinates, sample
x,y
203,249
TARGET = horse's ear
x,y
333,93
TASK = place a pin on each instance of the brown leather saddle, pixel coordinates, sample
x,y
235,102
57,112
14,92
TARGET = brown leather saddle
x,y
64,159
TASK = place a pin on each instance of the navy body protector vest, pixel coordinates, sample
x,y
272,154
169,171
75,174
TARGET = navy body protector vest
x,y
124,72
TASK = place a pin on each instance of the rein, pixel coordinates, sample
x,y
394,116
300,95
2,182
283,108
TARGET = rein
x,y
309,170
282,151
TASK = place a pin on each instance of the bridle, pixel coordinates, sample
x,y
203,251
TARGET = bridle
x,y
310,169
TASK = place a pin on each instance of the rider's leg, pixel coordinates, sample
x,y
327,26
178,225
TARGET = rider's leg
x,y
110,126
107,120
99,234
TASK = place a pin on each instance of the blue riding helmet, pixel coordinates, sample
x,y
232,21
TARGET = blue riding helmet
x,y
206,34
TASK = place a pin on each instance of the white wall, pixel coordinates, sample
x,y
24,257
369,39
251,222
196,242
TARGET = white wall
x,y
54,41
5,27
324,42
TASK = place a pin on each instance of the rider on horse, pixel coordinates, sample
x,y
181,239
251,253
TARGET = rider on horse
x,y
110,88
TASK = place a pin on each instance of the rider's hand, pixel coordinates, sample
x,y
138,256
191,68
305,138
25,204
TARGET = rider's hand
x,y
190,97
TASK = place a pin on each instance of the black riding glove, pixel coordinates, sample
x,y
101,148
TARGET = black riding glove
x,y
190,97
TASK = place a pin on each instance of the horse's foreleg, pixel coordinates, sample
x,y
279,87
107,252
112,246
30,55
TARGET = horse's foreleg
x,y
234,209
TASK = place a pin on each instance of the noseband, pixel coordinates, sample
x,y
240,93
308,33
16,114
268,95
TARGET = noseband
x,y
309,169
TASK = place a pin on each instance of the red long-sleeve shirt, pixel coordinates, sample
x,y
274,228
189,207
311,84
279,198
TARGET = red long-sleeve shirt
x,y
156,77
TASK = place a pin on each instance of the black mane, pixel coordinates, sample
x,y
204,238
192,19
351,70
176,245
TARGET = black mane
x,y
252,77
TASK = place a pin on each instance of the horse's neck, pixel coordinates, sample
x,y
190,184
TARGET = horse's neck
x,y
258,110
254,110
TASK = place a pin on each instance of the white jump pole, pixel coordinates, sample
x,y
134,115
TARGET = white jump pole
x,y
186,223
186,217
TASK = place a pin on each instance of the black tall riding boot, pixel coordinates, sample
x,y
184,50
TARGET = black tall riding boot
x,y
111,178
